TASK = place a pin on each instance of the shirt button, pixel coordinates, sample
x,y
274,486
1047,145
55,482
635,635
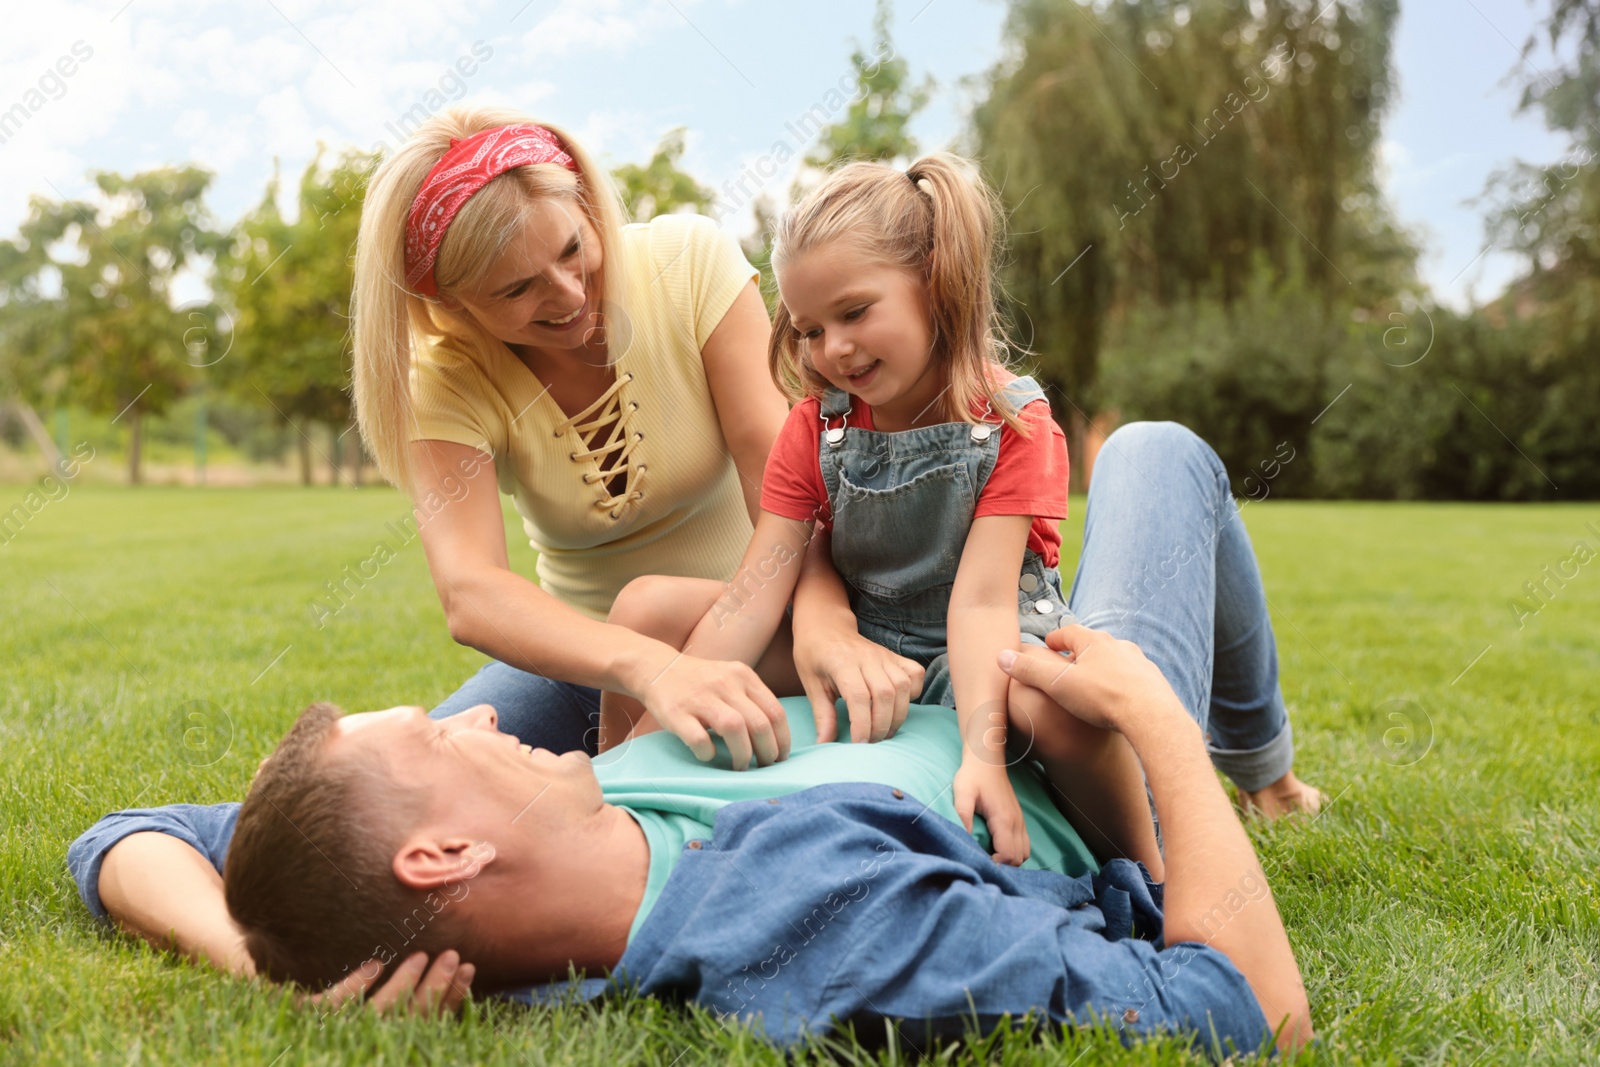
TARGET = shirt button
x,y
1028,583
1130,1016
898,795
981,432
1043,607
772,801
696,844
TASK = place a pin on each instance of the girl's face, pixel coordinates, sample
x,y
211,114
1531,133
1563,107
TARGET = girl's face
x,y
545,290
866,327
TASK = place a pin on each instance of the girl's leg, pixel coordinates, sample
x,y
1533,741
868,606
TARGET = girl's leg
x,y
1097,780
1168,565
668,609
541,712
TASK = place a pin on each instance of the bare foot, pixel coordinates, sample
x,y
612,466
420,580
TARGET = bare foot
x,y
1284,797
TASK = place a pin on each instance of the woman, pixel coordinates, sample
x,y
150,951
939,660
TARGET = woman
x,y
599,376
511,336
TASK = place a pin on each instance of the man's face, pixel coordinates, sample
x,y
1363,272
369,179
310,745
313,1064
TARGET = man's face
x,y
470,776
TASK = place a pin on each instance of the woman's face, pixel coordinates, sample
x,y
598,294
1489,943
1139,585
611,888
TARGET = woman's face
x,y
545,290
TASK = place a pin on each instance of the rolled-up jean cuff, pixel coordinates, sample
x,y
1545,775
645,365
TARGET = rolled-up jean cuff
x,y
1256,768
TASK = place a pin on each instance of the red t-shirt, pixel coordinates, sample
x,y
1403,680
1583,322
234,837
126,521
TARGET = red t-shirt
x,y
1029,477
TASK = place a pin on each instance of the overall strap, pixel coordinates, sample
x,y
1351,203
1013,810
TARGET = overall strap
x,y
835,403
1022,391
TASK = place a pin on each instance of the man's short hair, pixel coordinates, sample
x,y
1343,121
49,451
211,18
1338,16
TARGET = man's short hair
x,y
309,875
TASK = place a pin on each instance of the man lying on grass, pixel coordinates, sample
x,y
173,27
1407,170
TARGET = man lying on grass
x,y
814,890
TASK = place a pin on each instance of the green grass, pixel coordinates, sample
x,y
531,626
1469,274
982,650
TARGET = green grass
x,y
1444,909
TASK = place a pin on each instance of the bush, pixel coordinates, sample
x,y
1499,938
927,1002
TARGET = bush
x,y
1402,402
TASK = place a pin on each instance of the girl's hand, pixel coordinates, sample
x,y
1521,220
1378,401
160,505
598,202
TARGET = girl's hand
x,y
877,685
439,991
695,698
985,789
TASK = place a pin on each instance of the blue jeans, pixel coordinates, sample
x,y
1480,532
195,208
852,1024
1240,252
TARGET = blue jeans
x,y
542,712
1166,564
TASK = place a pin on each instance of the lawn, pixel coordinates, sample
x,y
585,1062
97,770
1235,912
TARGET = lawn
x,y
1444,908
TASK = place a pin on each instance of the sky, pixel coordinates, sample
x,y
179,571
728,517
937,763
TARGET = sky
x,y
235,85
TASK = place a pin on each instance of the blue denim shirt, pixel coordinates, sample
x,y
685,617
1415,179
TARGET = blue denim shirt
x,y
843,903
849,902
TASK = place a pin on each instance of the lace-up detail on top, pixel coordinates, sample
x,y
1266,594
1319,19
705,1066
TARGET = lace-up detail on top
x,y
604,429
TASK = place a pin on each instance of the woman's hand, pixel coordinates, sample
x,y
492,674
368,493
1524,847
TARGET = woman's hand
x,y
877,685
695,698
985,789
414,987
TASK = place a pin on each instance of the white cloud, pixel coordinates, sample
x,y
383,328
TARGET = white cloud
x,y
609,25
231,85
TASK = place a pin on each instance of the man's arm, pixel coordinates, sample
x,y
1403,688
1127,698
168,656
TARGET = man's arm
x,y
158,886
1216,893
165,891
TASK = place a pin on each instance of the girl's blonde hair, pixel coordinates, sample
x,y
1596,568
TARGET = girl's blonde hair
x,y
935,219
391,322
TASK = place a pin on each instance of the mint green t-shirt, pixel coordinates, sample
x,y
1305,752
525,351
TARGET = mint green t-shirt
x,y
674,797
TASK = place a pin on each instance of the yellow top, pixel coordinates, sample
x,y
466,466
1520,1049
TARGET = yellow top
x,y
641,482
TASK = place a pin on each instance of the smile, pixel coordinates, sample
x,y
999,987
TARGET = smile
x,y
566,320
860,377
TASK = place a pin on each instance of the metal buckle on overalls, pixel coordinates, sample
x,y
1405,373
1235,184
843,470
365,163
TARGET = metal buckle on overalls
x,y
983,430
835,435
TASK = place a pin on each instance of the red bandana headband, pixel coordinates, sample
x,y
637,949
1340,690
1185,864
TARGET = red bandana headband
x,y
456,178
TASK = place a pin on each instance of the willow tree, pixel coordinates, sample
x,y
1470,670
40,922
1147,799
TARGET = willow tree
x,y
1549,213
1152,152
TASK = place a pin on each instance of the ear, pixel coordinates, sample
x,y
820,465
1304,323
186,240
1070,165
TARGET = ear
x,y
425,863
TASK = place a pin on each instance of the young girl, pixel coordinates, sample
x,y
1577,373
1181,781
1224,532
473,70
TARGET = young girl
x,y
937,477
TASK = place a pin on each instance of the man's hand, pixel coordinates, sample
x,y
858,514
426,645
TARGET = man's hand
x,y
439,991
1103,681
877,685
695,698
985,789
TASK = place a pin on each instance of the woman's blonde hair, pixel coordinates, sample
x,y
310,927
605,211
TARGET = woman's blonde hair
x,y
937,220
390,321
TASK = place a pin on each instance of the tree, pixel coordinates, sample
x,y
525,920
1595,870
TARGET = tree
x,y
876,127
287,285
877,124
1153,151
1550,214
32,326
659,187
111,339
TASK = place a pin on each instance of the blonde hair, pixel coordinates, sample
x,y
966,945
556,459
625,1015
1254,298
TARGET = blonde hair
x,y
935,219
391,322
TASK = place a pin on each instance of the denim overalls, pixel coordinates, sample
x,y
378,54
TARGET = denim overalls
x,y
902,506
